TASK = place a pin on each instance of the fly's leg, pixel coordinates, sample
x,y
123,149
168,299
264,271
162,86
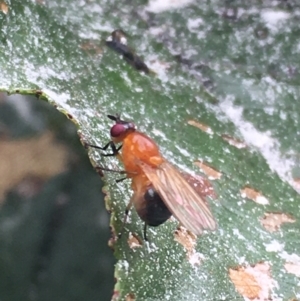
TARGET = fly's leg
x,y
128,207
121,180
145,232
115,153
115,150
123,172
114,170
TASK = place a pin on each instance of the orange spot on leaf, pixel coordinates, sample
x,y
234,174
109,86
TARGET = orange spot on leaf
x,y
297,183
233,141
254,195
203,127
212,173
273,221
188,240
130,297
4,7
253,282
293,268
134,241
91,48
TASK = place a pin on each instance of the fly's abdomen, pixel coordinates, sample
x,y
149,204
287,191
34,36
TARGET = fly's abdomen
x,y
154,212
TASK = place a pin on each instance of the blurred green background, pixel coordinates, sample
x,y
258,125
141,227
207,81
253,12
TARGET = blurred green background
x,y
54,228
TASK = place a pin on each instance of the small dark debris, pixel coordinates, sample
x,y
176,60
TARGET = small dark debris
x,y
190,63
180,59
99,171
261,32
118,42
70,116
85,145
200,71
38,93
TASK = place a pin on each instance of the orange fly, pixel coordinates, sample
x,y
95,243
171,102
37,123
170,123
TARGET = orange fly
x,y
159,188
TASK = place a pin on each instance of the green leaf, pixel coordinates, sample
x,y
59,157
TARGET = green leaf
x,y
230,67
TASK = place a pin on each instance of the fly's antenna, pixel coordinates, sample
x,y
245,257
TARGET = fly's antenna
x,y
117,119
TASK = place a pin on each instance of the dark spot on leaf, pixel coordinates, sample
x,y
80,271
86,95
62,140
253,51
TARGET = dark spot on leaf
x,y
199,71
261,33
180,59
99,171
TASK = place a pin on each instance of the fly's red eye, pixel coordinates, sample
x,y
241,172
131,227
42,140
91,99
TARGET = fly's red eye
x,y
117,130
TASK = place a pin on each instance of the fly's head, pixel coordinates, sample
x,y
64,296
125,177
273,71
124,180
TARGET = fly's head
x,y
121,128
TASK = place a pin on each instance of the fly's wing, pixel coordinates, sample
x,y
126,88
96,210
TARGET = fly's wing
x,y
182,200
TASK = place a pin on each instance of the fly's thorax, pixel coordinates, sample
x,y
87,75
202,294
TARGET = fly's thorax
x,y
140,144
137,147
